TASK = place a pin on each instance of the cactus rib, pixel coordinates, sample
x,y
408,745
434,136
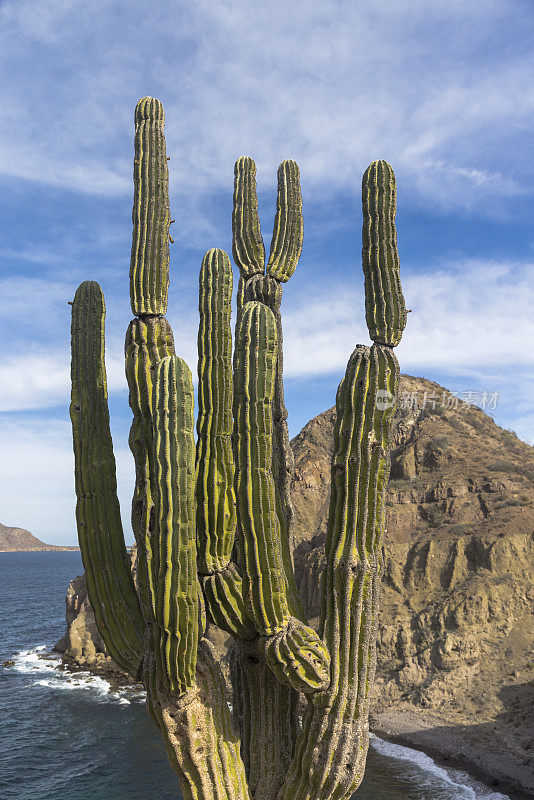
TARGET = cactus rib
x,y
105,560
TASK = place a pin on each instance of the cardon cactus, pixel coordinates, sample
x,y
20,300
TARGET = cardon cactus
x,y
213,520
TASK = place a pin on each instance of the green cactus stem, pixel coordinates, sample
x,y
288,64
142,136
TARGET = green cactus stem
x,y
286,243
384,303
109,579
223,592
215,497
292,650
256,348
149,267
331,751
266,715
174,561
199,737
148,341
248,248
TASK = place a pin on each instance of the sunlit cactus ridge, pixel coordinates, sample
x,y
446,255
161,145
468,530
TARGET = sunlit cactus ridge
x,y
213,518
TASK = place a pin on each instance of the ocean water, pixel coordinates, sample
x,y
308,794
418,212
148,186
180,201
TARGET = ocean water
x,y
69,737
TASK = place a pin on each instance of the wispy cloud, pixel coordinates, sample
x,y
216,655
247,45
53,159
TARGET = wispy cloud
x,y
38,381
468,315
437,90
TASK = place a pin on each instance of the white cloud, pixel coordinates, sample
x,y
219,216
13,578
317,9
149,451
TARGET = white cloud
x,y
467,316
437,90
471,315
41,380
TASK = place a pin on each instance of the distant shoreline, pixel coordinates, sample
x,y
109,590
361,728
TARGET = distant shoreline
x,y
52,548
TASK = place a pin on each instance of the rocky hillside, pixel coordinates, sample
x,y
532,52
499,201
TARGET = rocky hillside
x,y
456,636
19,539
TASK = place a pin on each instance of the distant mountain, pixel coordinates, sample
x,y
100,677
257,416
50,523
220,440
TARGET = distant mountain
x,y
18,539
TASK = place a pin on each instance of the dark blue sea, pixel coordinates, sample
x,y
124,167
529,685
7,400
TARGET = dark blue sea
x,y
69,737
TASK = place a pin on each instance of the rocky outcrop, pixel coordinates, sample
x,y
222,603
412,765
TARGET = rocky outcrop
x,y
457,590
82,644
18,540
82,641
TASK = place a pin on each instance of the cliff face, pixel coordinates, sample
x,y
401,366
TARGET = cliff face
x,y
19,539
455,634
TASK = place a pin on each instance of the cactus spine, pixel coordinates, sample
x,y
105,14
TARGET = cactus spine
x,y
191,501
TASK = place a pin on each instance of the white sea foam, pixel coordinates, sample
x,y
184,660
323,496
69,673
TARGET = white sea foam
x,y
463,785
35,663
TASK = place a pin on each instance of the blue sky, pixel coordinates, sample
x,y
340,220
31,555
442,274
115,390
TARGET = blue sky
x,y
443,90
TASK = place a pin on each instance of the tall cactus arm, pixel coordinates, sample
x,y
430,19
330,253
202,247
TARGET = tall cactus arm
x,y
255,374
148,341
174,558
109,579
248,248
286,244
149,338
385,310
149,267
293,651
215,495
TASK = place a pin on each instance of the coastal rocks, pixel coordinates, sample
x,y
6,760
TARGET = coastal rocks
x,y
82,641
